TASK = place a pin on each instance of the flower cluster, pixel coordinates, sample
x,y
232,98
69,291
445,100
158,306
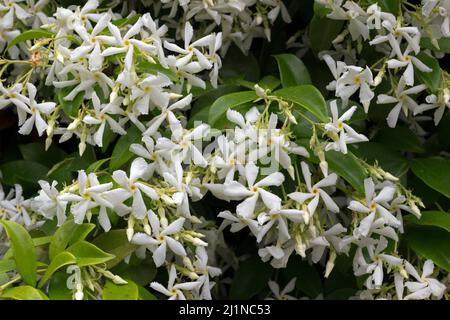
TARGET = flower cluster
x,y
110,73
403,61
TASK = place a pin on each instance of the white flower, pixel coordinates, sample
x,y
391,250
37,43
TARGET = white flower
x,y
48,202
101,117
126,43
408,61
374,203
161,239
184,145
13,94
283,294
133,187
238,223
354,79
174,291
35,110
375,266
17,206
278,218
91,46
167,113
151,90
315,192
433,102
402,100
237,191
346,134
425,286
190,49
201,267
91,194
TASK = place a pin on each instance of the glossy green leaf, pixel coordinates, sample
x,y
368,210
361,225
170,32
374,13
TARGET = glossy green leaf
x,y
431,218
29,35
121,153
431,79
88,254
23,251
36,152
201,107
292,70
322,31
443,44
391,6
348,167
308,279
115,242
144,294
72,107
390,159
7,265
435,172
24,293
112,291
306,97
269,83
230,101
431,243
67,234
251,277
57,288
62,259
400,138
20,171
97,165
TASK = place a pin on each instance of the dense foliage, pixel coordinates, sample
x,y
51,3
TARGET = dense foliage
x,y
213,149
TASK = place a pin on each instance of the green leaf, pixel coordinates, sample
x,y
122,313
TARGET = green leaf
x,y
306,97
40,241
29,35
88,254
251,277
431,79
144,66
400,138
443,44
97,165
269,83
431,218
220,106
23,251
62,259
121,153
322,31
112,291
388,158
24,293
292,70
308,279
68,233
57,289
7,266
115,242
70,108
435,172
200,108
431,243
391,6
348,167
144,294
20,171
36,152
